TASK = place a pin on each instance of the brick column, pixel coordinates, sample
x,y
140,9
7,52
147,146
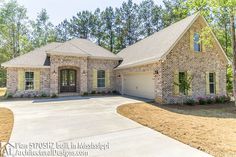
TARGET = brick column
x,y
53,77
83,75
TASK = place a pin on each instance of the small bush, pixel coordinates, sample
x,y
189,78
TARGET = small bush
x,y
93,92
114,92
29,95
109,92
210,100
8,95
103,92
190,102
227,99
54,95
98,92
43,95
85,94
220,99
202,101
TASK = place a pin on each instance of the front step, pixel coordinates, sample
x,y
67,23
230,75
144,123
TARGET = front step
x,y
69,94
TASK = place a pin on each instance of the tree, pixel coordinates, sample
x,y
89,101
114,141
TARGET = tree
x,y
97,27
14,35
81,25
119,32
174,10
43,31
62,31
108,18
157,13
230,5
146,8
13,25
184,85
130,22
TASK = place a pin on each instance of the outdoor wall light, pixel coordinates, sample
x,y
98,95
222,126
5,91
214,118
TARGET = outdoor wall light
x,y
118,76
54,72
156,72
83,73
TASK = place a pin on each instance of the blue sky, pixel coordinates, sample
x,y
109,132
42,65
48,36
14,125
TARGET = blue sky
x,y
58,10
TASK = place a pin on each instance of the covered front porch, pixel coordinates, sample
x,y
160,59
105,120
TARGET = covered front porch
x,y
68,76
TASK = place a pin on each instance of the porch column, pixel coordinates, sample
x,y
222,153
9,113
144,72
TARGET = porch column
x,y
53,77
158,84
83,76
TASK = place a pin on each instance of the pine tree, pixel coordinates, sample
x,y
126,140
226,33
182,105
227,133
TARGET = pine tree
x,y
108,18
130,22
62,31
43,30
97,27
81,25
146,8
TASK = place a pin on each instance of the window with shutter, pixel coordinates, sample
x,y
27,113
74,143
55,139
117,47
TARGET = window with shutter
x,y
29,80
101,78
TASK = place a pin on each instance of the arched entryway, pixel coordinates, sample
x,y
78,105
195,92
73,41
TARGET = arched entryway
x,y
68,80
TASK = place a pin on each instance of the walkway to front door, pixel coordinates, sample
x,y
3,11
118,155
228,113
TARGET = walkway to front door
x,y
68,80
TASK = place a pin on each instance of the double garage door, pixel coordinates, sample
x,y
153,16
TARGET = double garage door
x,y
139,85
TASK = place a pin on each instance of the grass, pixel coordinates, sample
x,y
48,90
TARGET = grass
x,y
2,91
210,128
6,124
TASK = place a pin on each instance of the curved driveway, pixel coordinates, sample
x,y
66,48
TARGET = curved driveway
x,y
92,121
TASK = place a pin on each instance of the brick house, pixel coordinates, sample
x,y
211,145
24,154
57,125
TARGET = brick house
x,y
146,69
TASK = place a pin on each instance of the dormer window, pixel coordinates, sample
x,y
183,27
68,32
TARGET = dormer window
x,y
197,43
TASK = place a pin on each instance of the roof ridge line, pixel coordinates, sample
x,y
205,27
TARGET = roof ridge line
x,y
78,48
196,14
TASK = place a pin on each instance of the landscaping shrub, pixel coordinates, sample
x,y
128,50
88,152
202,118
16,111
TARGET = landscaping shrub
x,y
109,92
190,102
93,92
54,95
217,100
227,98
220,99
8,95
43,95
98,92
210,100
103,92
85,94
114,92
202,101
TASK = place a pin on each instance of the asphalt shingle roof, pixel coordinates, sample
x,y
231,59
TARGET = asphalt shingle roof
x,y
74,47
35,58
155,46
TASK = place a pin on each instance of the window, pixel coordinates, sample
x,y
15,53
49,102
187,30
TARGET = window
x,y
182,78
100,78
212,83
197,44
29,80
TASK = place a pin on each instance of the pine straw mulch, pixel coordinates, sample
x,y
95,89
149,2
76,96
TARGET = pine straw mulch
x,y
210,128
6,124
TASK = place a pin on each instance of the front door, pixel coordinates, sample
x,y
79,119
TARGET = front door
x,y
68,80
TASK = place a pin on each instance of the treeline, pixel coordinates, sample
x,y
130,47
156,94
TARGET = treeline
x,y
112,28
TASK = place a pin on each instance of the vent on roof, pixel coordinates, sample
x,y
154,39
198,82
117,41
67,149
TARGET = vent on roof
x,y
47,61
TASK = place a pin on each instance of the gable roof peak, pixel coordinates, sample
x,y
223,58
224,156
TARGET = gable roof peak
x,y
159,44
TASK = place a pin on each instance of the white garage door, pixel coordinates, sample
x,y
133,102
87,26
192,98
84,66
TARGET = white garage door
x,y
139,84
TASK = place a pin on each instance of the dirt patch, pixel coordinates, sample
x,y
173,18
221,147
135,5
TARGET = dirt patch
x,y
6,124
210,128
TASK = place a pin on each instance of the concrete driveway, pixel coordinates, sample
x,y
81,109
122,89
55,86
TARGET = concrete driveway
x,y
93,127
